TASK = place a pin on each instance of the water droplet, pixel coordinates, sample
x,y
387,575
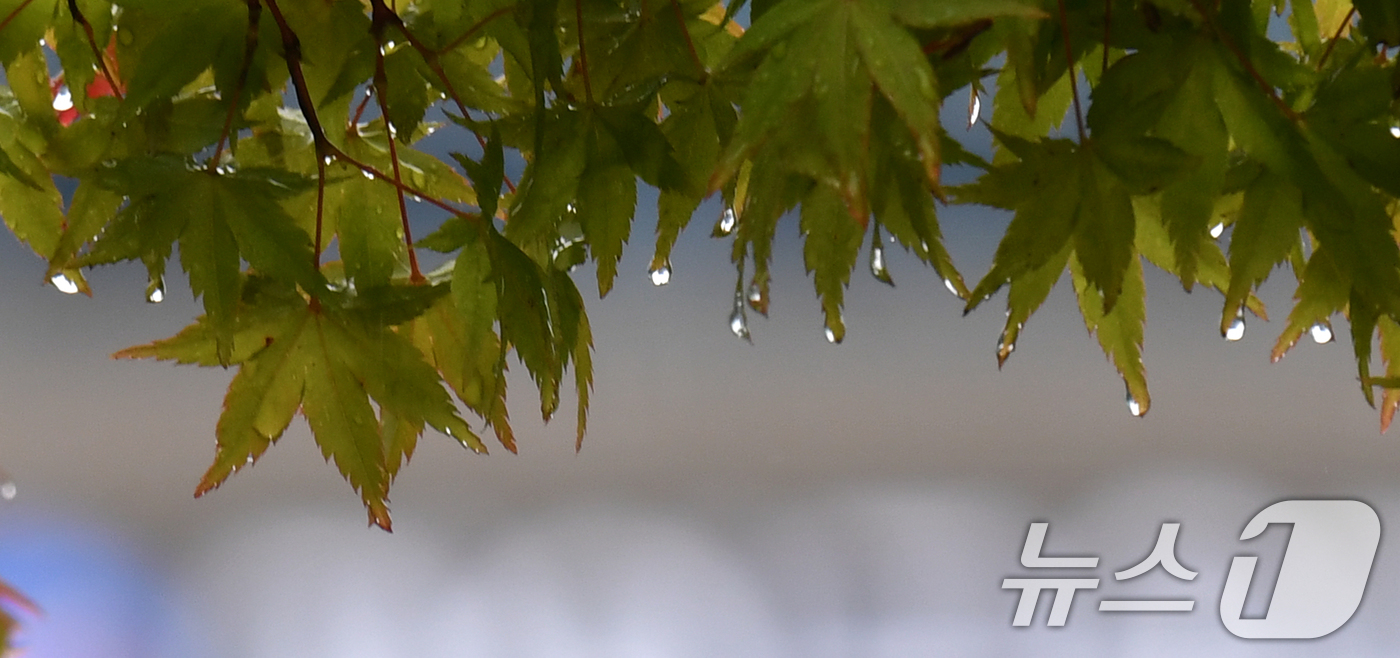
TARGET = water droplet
x,y
738,324
725,226
63,100
366,174
250,461
64,284
155,291
390,46
832,338
948,283
1395,132
327,160
1004,349
755,294
1236,330
1217,230
417,199
1321,333
877,264
43,43
8,490
393,130
1133,407
974,110
661,276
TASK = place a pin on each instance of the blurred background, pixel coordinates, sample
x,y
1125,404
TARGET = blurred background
x,y
786,498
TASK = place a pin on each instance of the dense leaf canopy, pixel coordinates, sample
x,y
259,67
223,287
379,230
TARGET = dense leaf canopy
x,y
274,142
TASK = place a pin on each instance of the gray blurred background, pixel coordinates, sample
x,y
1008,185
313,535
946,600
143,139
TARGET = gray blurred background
x,y
786,498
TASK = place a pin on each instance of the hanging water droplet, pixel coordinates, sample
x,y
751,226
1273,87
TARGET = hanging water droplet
x,y
1395,132
155,291
974,109
725,226
8,490
64,284
1321,333
877,264
738,324
366,174
755,294
43,43
948,283
417,199
63,100
250,461
1217,230
833,337
661,276
1133,407
327,160
1236,330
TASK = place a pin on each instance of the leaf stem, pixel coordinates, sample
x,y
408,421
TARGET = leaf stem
x,y
96,51
381,81
431,57
689,42
6,21
474,29
1073,75
582,52
1249,67
1336,36
1107,31
250,45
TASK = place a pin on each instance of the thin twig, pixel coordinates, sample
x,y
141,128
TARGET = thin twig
x,y
1107,23
96,51
476,28
250,46
431,57
6,21
582,52
1069,64
689,43
381,82
1259,80
1336,37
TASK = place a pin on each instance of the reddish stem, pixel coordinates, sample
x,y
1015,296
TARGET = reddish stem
x,y
1336,36
250,45
689,43
1073,76
582,52
6,21
96,51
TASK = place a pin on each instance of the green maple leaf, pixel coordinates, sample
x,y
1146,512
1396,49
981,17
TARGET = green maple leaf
x,y
328,363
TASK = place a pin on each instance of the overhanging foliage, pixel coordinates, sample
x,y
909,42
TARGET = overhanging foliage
x,y
256,135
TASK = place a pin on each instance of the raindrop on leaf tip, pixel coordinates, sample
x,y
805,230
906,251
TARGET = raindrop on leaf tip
x,y
64,284
661,276
1321,333
1217,230
1134,407
1236,330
